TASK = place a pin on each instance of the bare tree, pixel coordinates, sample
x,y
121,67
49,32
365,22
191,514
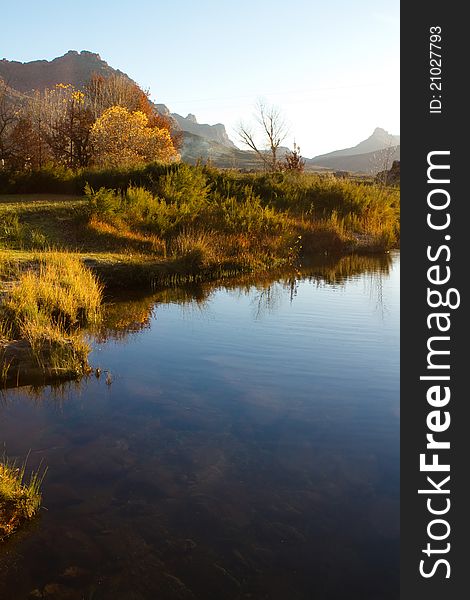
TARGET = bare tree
x,y
273,130
60,121
9,107
115,90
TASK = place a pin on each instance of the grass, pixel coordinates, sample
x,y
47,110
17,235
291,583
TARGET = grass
x,y
166,224
35,221
43,313
178,196
161,226
19,500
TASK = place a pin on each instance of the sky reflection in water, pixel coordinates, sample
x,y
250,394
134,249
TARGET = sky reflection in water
x,y
248,447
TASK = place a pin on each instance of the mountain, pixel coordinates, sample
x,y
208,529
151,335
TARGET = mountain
x,y
216,133
379,140
77,68
368,156
201,141
73,67
370,162
196,148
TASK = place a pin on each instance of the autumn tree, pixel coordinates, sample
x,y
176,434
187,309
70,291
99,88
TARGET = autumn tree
x,y
58,125
22,141
165,122
123,138
271,129
118,90
28,148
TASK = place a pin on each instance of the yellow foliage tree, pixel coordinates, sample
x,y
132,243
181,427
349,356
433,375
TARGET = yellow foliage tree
x,y
123,138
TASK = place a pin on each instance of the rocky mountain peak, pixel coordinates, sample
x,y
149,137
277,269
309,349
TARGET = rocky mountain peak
x,y
216,133
73,67
382,136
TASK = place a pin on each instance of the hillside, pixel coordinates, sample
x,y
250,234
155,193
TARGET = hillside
x,y
370,162
379,140
196,148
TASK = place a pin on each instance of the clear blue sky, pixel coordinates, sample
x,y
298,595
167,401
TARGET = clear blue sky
x,y
331,66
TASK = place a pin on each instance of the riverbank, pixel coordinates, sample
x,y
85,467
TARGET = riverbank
x,y
156,227
160,225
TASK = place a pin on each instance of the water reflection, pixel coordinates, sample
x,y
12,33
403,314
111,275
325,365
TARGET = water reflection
x,y
131,312
247,447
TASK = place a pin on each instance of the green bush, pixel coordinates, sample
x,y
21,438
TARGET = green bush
x,y
250,216
103,203
139,203
184,186
165,200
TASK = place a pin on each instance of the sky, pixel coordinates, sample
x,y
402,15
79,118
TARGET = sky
x,y
332,68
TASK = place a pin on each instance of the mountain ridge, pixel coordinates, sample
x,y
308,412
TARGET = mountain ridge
x,y
368,163
379,140
201,140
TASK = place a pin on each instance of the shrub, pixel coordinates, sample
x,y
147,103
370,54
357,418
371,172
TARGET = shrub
x,y
103,203
183,186
250,216
165,200
194,249
139,203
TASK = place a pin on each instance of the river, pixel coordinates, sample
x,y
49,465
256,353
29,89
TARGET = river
x,y
242,441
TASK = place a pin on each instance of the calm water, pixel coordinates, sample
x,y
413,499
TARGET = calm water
x,y
247,447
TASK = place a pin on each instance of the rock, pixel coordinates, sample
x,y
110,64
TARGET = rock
x,y
73,67
390,177
216,133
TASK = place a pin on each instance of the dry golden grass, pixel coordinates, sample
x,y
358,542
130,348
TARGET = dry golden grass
x,y
19,500
47,306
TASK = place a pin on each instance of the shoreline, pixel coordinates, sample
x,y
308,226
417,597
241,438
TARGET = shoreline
x,y
117,277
